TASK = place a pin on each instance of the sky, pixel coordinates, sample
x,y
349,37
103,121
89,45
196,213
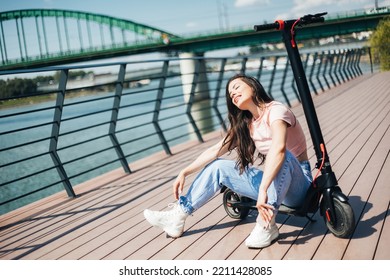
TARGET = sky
x,y
183,17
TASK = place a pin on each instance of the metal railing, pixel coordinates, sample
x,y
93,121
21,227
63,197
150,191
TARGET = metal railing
x,y
85,128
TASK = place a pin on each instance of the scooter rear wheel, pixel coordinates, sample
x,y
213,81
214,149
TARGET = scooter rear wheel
x,y
229,199
345,219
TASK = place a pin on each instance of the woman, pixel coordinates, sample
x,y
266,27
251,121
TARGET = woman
x,y
256,123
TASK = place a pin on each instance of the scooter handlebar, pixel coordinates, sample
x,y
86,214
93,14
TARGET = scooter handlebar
x,y
312,20
266,26
308,19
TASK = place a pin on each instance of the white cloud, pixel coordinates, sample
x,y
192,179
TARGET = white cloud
x,y
384,3
309,6
246,3
303,7
191,24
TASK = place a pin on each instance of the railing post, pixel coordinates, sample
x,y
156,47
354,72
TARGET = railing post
x,y
331,55
348,63
341,66
358,63
369,54
273,76
114,118
326,56
217,91
56,131
157,108
243,65
352,63
319,71
336,65
260,70
356,57
345,65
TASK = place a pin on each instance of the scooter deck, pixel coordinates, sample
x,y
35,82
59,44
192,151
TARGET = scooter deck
x,y
251,204
288,210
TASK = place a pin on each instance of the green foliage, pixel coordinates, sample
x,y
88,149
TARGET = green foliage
x,y
380,43
17,87
72,75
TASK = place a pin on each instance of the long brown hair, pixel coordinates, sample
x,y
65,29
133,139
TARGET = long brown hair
x,y
238,135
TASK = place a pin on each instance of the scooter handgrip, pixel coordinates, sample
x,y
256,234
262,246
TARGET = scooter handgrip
x,y
266,26
314,20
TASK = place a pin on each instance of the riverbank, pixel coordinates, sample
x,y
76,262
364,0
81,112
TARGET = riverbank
x,y
37,99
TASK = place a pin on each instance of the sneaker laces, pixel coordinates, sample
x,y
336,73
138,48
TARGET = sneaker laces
x,y
174,209
172,205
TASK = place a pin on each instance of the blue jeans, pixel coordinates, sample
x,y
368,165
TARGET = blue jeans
x,y
289,186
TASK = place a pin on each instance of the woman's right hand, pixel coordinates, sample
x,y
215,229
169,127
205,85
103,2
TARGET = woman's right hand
x,y
178,185
265,210
200,162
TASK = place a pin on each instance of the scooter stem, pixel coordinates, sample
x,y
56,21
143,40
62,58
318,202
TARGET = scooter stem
x,y
307,101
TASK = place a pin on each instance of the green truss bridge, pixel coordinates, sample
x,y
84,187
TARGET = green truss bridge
x,y
36,38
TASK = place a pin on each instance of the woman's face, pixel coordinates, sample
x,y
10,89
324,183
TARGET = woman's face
x,y
240,93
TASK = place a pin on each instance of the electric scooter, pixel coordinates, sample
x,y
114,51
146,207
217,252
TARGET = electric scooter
x,y
324,193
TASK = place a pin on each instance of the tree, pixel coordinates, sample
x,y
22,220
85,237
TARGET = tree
x,y
380,43
17,88
3,93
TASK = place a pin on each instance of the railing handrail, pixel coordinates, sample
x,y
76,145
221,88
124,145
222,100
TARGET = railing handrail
x,y
134,122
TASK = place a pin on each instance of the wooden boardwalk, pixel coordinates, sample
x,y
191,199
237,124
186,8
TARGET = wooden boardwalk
x,y
106,222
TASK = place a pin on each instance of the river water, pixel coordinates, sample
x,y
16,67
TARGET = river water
x,y
95,114
40,161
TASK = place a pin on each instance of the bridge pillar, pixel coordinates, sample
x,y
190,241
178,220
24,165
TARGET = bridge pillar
x,y
194,74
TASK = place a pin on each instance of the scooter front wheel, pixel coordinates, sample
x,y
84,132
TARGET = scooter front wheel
x,y
230,199
345,219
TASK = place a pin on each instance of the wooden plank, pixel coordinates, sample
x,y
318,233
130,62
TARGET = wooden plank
x,y
114,226
83,242
382,248
141,241
358,197
106,221
349,145
69,214
125,250
43,206
196,226
335,120
368,230
234,238
202,245
318,230
347,181
83,203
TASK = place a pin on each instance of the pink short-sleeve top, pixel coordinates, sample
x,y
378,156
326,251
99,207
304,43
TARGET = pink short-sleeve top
x,y
260,129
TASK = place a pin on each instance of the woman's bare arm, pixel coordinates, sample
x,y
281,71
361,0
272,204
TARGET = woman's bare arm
x,y
201,161
273,163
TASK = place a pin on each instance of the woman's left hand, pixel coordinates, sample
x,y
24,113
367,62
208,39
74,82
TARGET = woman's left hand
x,y
266,211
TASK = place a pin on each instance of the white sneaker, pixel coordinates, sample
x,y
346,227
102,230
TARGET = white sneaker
x,y
261,236
171,221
